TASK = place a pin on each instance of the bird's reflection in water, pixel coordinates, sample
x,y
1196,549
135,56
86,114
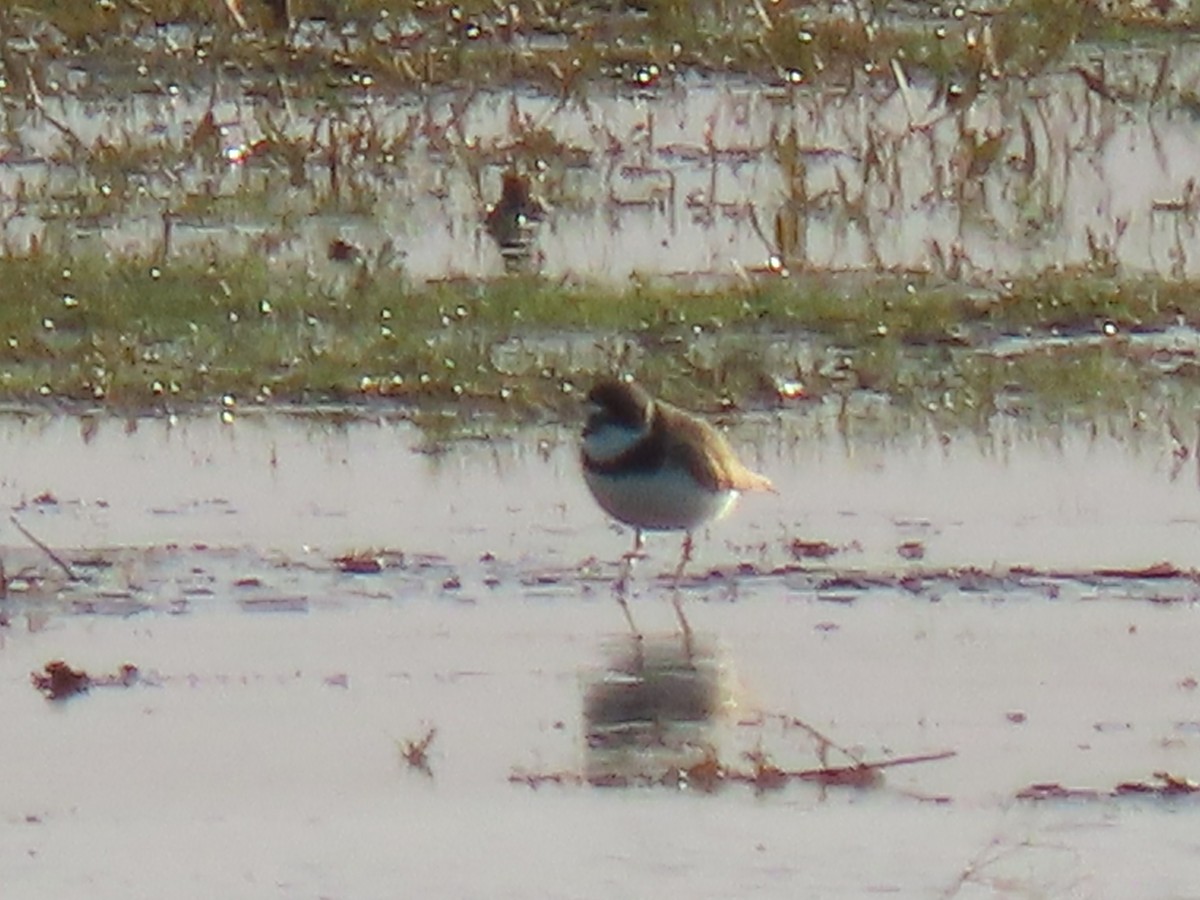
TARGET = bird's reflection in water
x,y
512,220
649,716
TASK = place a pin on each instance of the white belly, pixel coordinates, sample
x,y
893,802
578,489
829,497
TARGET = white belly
x,y
667,500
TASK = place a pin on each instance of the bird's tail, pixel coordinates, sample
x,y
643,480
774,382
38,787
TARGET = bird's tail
x,y
747,480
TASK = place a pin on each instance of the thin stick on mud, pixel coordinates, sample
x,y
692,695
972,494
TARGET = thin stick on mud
x,y
54,557
862,774
824,742
935,756
876,766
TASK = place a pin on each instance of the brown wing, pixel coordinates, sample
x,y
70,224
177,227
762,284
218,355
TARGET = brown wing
x,y
705,452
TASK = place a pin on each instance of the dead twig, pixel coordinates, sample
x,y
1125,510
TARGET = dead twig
x,y
710,773
864,773
824,742
54,557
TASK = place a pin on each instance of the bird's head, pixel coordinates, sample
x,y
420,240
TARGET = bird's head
x,y
619,415
615,402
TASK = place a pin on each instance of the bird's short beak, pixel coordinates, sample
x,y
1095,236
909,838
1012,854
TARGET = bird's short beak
x,y
591,412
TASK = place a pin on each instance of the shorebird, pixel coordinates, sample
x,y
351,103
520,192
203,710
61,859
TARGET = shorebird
x,y
656,467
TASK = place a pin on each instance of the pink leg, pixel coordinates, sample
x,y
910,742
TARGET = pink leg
x,y
684,628
685,557
622,584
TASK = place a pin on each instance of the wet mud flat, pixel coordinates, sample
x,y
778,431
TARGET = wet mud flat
x,y
363,670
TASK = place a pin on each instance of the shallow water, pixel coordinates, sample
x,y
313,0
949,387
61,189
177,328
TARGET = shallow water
x,y
259,755
691,178
1056,498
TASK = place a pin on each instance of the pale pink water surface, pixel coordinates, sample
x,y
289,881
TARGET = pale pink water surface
x,y
260,754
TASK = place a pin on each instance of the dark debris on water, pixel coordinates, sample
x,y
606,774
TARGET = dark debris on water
x,y
1162,785
59,680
